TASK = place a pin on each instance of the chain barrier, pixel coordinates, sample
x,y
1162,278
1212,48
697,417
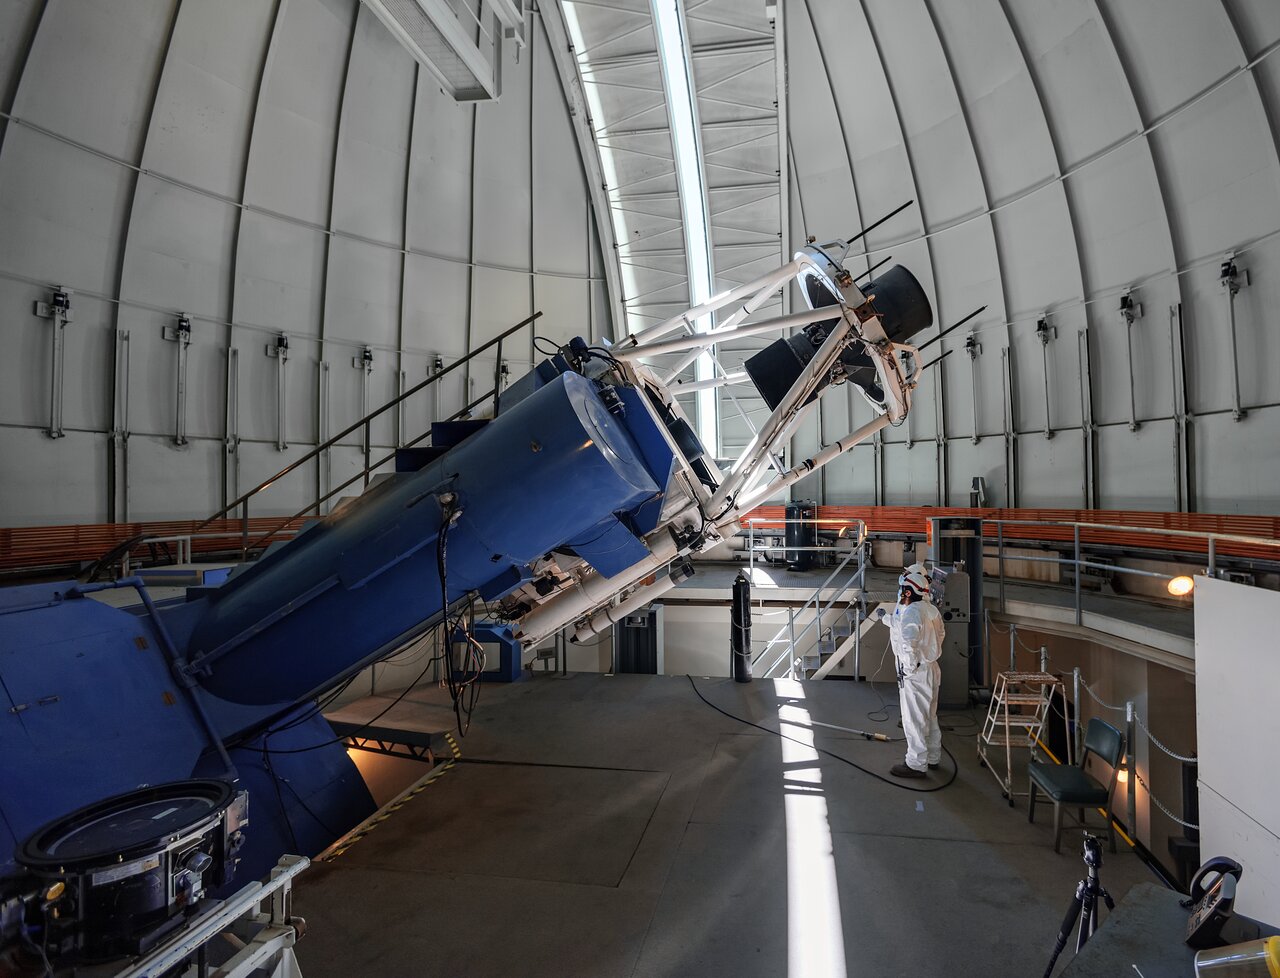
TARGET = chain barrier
x,y
1185,759
1033,650
1160,805
1097,699
1152,737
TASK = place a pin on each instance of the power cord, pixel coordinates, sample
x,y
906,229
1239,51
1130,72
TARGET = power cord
x,y
882,715
337,740
955,768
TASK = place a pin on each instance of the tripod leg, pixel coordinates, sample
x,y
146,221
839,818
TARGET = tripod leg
x,y
1068,924
1087,920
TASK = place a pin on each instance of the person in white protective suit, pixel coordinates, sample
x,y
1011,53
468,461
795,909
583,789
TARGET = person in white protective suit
x,y
916,631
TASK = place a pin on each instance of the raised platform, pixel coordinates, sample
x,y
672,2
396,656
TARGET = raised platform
x,y
619,826
1140,626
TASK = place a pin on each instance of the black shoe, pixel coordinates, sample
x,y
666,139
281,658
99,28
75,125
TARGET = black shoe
x,y
933,767
902,771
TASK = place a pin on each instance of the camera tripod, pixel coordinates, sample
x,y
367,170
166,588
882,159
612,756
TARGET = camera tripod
x,y
1084,904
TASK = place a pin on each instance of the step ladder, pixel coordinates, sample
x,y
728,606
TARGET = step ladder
x,y
1020,705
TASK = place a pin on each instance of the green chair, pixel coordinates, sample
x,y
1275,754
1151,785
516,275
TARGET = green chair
x,y
1068,784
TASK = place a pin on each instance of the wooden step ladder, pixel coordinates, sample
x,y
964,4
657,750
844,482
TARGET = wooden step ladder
x,y
1020,704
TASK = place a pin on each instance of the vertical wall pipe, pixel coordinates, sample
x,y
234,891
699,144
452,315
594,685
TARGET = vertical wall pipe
x,y
1079,612
973,348
1131,765
1130,313
1045,332
1230,278
1075,685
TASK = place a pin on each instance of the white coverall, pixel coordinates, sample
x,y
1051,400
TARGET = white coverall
x,y
916,631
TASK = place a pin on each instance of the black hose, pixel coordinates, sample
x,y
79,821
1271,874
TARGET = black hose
x,y
955,768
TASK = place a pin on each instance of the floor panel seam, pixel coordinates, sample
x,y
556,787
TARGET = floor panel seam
x,y
897,835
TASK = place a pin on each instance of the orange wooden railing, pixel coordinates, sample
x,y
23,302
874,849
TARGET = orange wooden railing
x,y
915,519
50,546
54,546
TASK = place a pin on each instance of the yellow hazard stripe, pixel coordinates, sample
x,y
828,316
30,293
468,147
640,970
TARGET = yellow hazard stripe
x,y
347,841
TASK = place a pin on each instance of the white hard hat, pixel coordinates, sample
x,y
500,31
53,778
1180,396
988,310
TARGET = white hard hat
x,y
915,578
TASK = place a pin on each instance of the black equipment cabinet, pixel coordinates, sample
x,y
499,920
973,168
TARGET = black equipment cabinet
x,y
801,532
637,642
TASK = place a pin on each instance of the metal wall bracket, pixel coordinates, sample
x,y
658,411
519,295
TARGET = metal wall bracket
x,y
58,309
231,437
1010,420
364,363
1130,313
1232,278
118,472
402,384
324,464
280,351
180,334
1183,470
1088,429
907,363
974,350
437,365
1045,333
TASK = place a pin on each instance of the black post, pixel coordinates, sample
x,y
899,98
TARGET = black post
x,y
740,628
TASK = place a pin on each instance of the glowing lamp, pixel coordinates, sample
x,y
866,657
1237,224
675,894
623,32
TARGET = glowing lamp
x,y
1181,586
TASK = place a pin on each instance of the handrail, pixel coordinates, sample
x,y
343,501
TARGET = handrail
x,y
239,501
817,602
819,611
284,523
1216,535
1153,530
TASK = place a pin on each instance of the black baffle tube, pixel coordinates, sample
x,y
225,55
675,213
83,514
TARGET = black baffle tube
x,y
740,628
875,224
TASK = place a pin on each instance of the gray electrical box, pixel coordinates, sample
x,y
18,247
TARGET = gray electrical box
x,y
955,547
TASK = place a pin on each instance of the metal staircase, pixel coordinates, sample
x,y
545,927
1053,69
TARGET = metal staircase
x,y
794,653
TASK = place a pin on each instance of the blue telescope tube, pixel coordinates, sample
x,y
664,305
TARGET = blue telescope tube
x,y
364,580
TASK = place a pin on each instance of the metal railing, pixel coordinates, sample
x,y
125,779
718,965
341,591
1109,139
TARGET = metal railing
x,y
242,502
786,637
1078,562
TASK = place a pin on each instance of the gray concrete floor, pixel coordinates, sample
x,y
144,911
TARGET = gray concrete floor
x,y
618,826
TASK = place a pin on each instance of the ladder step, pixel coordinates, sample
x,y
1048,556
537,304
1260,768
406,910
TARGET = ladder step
x,y
1023,699
1011,740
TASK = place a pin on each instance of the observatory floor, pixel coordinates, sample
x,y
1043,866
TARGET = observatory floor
x,y
617,825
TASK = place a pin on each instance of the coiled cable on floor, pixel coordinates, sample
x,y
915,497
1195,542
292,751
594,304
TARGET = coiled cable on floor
x,y
955,767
